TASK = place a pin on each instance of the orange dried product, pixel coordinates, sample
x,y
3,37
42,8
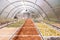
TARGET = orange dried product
x,y
27,32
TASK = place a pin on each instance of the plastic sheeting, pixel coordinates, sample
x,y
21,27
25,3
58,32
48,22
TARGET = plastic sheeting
x,y
48,9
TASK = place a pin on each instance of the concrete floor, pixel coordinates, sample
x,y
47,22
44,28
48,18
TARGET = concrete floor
x,y
5,33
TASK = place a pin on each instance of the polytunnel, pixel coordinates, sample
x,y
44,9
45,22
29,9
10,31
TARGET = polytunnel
x,y
29,19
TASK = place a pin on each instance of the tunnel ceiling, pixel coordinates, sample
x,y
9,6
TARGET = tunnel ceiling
x,y
45,8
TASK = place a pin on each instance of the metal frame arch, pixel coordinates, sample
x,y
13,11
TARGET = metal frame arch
x,y
15,13
12,10
36,9
20,11
26,5
32,7
25,1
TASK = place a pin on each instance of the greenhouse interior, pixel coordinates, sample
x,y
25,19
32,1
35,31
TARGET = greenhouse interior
x,y
29,19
